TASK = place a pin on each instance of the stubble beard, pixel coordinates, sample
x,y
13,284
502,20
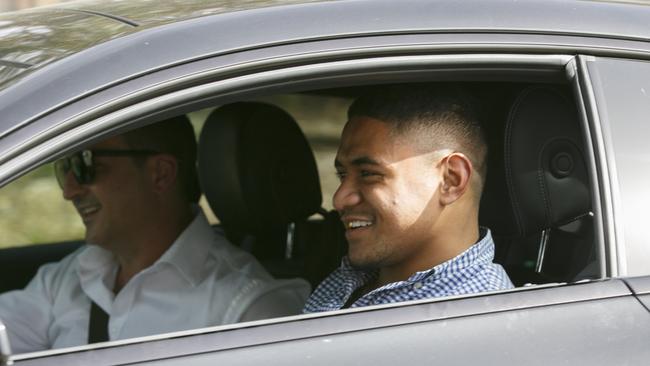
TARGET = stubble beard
x,y
373,257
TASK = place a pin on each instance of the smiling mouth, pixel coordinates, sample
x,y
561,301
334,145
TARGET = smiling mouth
x,y
87,212
357,224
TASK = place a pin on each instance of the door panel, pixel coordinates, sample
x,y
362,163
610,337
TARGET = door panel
x,y
600,332
595,322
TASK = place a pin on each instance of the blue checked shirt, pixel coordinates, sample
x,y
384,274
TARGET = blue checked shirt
x,y
470,272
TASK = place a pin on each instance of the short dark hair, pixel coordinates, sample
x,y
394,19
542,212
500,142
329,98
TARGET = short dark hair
x,y
174,136
442,116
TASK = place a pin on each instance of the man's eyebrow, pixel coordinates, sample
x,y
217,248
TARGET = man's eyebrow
x,y
362,160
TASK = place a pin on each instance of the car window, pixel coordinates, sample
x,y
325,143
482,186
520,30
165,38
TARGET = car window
x,y
35,198
561,252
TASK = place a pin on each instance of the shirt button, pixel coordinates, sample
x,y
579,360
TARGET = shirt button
x,y
417,285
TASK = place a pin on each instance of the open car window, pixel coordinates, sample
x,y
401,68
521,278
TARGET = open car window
x,y
547,251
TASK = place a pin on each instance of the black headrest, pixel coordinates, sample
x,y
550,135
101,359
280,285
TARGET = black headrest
x,y
545,167
256,168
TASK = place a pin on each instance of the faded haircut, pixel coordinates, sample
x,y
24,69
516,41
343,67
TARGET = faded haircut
x,y
174,136
438,117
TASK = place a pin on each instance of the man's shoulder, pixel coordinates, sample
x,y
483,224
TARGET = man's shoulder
x,y
486,277
67,263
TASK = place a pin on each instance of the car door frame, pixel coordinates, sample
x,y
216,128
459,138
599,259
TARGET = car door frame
x,y
209,81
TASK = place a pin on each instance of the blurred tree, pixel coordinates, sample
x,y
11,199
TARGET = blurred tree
x,y
11,5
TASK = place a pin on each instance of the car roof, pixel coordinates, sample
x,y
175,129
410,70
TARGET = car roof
x,y
53,55
33,38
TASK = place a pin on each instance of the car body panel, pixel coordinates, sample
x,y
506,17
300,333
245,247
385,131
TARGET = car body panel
x,y
151,13
142,61
38,38
519,337
448,323
645,300
639,285
51,33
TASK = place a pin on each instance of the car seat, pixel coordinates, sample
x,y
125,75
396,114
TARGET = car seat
x,y
260,178
545,234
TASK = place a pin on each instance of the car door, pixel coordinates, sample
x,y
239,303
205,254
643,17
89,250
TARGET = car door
x,y
598,322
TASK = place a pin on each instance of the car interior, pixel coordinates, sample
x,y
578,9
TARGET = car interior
x,y
260,178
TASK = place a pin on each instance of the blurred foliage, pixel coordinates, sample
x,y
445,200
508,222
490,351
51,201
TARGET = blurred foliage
x,y
32,209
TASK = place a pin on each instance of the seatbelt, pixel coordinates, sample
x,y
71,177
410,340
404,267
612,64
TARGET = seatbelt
x,y
98,324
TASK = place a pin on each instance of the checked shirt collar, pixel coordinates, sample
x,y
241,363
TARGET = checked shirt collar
x,y
464,271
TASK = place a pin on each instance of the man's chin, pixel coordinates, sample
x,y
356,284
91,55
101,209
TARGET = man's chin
x,y
363,262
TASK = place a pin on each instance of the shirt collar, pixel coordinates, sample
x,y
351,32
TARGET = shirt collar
x,y
482,252
187,254
190,250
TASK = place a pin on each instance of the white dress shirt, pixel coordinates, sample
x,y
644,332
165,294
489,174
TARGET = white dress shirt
x,y
201,280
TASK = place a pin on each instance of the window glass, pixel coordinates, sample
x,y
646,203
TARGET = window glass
x,y
623,96
32,210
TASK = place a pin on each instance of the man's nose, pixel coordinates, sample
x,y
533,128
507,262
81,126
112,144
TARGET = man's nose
x,y
346,196
71,188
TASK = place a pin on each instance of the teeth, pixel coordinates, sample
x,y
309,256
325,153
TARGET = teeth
x,y
88,210
358,224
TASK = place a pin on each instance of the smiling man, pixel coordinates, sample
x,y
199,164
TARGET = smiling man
x,y
153,264
412,163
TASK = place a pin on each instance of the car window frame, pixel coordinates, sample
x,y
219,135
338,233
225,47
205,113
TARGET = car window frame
x,y
100,122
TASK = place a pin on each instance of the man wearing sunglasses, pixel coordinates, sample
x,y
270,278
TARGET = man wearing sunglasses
x,y
153,263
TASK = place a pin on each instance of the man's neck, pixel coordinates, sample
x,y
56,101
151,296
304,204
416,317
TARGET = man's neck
x,y
443,248
144,251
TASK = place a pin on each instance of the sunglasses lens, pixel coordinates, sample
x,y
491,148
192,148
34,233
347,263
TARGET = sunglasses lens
x,y
82,169
61,168
77,167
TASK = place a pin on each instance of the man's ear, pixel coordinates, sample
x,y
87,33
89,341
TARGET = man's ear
x,y
456,173
164,172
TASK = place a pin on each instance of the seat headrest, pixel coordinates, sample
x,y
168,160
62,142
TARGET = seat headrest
x,y
256,168
545,167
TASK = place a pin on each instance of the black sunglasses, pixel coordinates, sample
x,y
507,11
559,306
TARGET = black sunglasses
x,y
82,163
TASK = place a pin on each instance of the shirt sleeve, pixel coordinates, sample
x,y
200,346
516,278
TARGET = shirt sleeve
x,y
283,298
27,313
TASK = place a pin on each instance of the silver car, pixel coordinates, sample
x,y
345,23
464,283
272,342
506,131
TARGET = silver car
x,y
565,87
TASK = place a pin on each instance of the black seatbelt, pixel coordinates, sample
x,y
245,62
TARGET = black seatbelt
x,y
98,324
